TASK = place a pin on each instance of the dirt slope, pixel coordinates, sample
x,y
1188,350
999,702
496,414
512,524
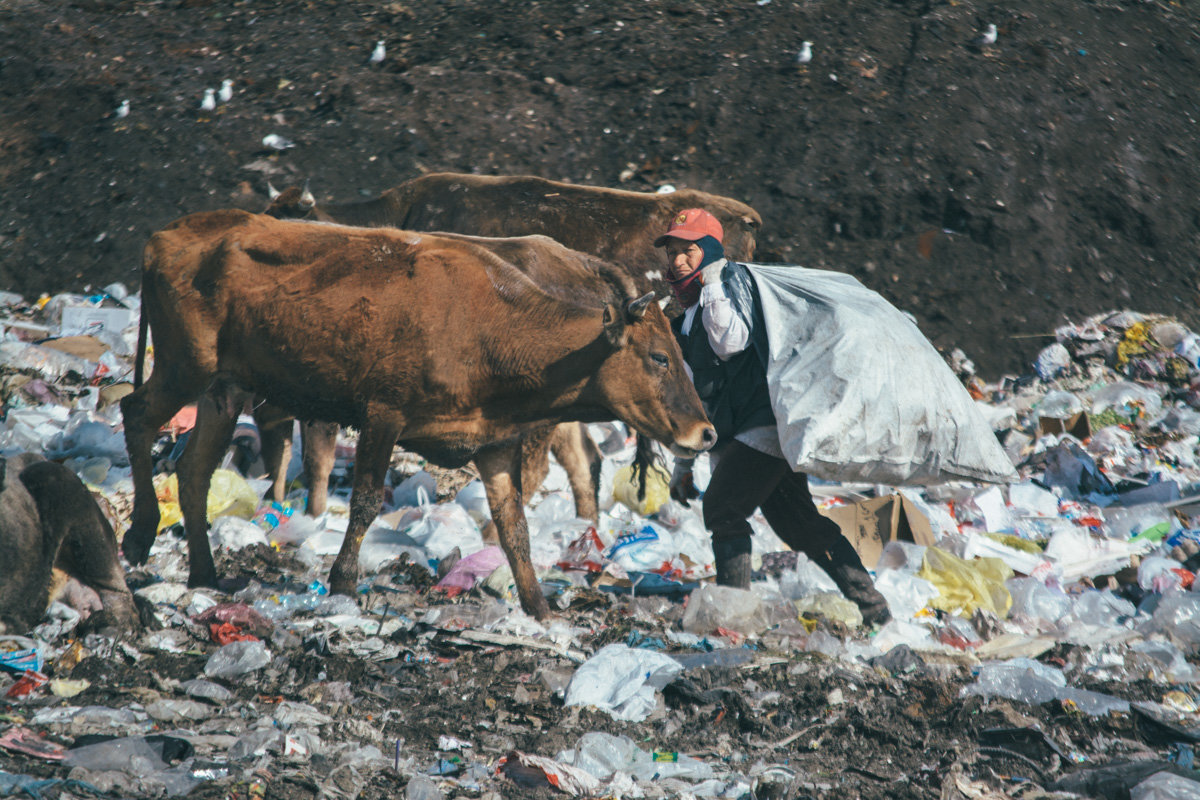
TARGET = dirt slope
x,y
992,191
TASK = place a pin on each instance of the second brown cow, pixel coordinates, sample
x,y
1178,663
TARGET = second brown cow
x,y
614,225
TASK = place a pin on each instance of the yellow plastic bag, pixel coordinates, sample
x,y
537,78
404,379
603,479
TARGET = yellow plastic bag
x,y
658,490
964,586
228,495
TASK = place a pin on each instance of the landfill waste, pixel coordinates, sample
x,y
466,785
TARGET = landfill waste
x,y
1056,618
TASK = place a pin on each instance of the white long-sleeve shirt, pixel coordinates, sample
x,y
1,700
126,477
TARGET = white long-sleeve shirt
x,y
728,335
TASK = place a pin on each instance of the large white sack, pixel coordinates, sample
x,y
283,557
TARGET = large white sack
x,y
859,393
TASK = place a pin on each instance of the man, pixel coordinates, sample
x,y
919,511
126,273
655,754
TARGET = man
x,y
723,339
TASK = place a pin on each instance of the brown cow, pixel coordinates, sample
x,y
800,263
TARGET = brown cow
x,y
614,225
427,340
57,544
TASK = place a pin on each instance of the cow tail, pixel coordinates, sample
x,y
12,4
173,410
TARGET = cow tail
x,y
139,359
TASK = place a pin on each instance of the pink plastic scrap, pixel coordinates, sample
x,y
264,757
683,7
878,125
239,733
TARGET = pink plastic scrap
x,y
23,740
471,570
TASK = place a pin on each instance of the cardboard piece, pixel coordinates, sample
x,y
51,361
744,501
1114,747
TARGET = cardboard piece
x,y
88,347
871,524
1077,425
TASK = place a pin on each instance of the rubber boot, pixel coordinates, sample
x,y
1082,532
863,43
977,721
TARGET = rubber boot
x,y
843,564
732,560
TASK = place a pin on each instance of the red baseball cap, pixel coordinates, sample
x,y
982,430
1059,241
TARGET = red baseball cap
x,y
692,224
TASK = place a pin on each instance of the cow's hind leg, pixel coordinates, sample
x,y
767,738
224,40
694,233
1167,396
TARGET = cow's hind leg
x,y
370,466
144,411
205,449
581,458
500,469
275,431
318,441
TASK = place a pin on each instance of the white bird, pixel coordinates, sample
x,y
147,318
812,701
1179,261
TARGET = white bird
x,y
122,110
988,36
225,94
378,53
209,102
805,54
277,142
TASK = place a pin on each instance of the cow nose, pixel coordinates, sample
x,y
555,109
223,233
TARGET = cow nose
x,y
708,438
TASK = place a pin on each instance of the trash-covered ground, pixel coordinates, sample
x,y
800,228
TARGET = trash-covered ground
x,y
1044,642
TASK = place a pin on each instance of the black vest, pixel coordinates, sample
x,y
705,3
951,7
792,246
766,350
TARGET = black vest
x,y
734,392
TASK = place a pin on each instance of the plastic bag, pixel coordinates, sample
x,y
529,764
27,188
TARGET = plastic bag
x,y
859,393
658,491
964,586
621,681
228,495
711,607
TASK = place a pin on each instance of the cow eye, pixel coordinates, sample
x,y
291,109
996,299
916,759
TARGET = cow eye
x,y
660,359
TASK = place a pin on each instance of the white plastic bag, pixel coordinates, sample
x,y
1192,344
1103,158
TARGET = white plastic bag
x,y
621,680
859,393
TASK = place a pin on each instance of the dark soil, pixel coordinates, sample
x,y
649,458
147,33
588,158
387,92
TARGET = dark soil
x,y
992,191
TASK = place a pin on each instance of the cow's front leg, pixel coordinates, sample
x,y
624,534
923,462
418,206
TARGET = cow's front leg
x,y
205,448
500,468
144,411
370,465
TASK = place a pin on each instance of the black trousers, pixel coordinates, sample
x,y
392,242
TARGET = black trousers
x,y
745,479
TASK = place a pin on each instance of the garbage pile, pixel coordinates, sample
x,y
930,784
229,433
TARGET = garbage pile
x,y
1045,633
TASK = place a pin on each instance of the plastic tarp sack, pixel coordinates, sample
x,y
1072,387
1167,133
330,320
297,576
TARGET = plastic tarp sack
x,y
860,394
964,586
658,491
1037,604
622,681
711,607
1166,786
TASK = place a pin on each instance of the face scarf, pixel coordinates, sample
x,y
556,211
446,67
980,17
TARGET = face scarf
x,y
687,289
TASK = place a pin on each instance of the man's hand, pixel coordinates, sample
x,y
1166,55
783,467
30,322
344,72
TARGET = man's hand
x,y
683,487
712,273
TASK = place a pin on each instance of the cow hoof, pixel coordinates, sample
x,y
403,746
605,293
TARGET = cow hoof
x,y
205,580
343,581
135,552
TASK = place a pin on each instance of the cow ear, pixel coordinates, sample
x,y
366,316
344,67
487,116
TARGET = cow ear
x,y
636,309
614,326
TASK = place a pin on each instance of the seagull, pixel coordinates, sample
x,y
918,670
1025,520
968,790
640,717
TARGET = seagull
x,y
277,142
378,53
209,102
805,54
122,110
987,37
225,94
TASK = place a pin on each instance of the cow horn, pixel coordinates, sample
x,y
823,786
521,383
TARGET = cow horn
x,y
306,197
272,192
636,309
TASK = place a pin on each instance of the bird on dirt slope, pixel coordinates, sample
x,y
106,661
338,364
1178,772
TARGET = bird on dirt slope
x,y
225,94
209,102
378,54
805,54
122,110
987,37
